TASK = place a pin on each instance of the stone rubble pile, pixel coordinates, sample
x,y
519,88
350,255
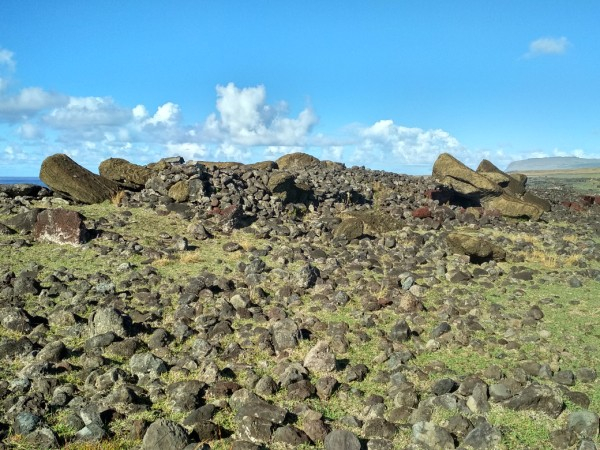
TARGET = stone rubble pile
x,y
341,258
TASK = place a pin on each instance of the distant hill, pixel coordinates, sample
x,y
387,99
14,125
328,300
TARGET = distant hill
x,y
553,163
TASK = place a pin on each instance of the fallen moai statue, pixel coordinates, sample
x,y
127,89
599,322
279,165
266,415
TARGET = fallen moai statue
x,y
488,187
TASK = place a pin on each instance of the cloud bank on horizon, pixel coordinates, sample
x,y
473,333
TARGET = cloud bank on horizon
x,y
244,127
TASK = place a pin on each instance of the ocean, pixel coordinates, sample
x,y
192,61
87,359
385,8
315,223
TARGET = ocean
x,y
21,180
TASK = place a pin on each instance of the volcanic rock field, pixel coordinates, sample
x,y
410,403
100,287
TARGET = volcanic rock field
x,y
297,304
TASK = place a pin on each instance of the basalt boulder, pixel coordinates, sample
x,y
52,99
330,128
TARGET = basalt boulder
x,y
61,226
23,222
63,175
21,189
478,249
283,184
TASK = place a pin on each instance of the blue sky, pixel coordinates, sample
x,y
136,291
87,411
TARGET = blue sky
x,y
385,84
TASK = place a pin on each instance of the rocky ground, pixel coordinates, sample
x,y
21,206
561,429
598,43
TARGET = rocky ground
x,y
246,307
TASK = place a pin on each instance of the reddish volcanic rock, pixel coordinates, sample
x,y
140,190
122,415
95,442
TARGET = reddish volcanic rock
x,y
61,226
422,212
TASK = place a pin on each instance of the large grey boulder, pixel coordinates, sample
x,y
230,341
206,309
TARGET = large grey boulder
x,y
341,440
286,334
21,190
584,424
483,437
64,175
320,358
109,319
165,434
432,436
538,397
23,222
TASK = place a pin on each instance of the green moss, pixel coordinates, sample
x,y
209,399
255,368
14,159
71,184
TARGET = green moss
x,y
522,430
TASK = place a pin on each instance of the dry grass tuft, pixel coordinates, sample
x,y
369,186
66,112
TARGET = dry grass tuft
x,y
190,258
161,262
552,260
117,198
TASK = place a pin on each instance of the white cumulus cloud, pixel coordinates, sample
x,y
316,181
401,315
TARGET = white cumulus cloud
x,y
189,150
168,114
230,152
85,112
384,139
29,131
548,46
245,119
139,112
28,102
333,153
7,59
275,151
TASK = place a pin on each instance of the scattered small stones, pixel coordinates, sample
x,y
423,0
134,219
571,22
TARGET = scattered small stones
x,y
291,304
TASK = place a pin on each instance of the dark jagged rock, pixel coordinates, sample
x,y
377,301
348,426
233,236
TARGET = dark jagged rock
x,y
21,189
341,440
538,397
24,222
164,434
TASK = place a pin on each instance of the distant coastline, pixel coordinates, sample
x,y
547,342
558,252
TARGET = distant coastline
x,y
553,163
21,180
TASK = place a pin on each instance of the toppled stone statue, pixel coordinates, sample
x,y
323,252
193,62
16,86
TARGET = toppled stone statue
x,y
62,174
488,187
